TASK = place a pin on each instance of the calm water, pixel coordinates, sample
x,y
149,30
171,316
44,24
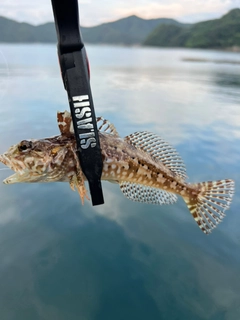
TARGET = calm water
x,y
124,260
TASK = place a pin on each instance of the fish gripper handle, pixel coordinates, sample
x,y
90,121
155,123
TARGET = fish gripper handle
x,y
75,75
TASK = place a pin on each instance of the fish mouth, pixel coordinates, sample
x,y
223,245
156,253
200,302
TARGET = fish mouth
x,y
20,175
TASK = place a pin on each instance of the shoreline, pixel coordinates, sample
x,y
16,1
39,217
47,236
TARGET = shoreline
x,y
227,49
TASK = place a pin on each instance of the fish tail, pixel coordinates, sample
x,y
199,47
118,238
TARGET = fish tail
x,y
213,199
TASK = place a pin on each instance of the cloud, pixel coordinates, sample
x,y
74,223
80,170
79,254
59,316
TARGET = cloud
x,y
184,10
94,12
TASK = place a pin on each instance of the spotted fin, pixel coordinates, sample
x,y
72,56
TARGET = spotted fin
x,y
140,193
159,150
74,181
209,206
106,126
77,180
65,125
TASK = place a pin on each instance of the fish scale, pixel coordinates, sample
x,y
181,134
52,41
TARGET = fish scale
x,y
128,163
146,167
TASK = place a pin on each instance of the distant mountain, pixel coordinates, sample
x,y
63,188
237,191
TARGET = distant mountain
x,y
12,31
130,30
162,32
218,33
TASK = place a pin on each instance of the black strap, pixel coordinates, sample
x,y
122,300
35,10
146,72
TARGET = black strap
x,y
75,75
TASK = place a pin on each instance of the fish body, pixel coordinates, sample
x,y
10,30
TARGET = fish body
x,y
146,167
125,162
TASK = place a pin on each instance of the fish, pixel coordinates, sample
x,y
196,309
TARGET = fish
x,y
145,166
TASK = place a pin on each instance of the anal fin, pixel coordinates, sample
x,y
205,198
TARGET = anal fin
x,y
141,193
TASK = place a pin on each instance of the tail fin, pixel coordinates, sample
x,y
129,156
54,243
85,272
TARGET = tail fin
x,y
212,201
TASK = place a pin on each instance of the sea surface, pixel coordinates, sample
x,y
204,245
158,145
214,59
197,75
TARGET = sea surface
x,y
123,260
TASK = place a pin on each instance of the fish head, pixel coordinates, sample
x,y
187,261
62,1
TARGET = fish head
x,y
34,161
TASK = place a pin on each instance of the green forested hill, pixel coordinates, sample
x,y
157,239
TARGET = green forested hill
x,y
130,30
218,33
12,31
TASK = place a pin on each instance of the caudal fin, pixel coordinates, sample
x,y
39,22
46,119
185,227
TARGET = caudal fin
x,y
209,206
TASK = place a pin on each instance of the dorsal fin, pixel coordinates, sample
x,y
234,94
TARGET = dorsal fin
x,y
140,193
159,150
106,126
65,125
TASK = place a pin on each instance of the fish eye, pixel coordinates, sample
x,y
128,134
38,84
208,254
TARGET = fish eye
x,y
24,145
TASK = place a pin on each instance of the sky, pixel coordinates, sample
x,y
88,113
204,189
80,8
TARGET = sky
x,y
94,12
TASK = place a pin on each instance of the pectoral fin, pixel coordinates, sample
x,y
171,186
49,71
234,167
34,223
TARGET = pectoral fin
x,y
65,125
78,182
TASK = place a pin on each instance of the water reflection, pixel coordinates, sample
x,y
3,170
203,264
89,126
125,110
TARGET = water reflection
x,y
97,263
227,80
172,100
60,260
4,74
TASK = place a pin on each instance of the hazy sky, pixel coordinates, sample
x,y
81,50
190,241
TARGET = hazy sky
x,y
94,12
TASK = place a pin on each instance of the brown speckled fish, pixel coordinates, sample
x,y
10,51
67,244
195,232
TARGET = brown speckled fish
x,y
145,166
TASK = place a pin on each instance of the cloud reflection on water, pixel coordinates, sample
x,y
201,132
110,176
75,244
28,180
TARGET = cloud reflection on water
x,y
158,250
122,260
185,267
169,104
